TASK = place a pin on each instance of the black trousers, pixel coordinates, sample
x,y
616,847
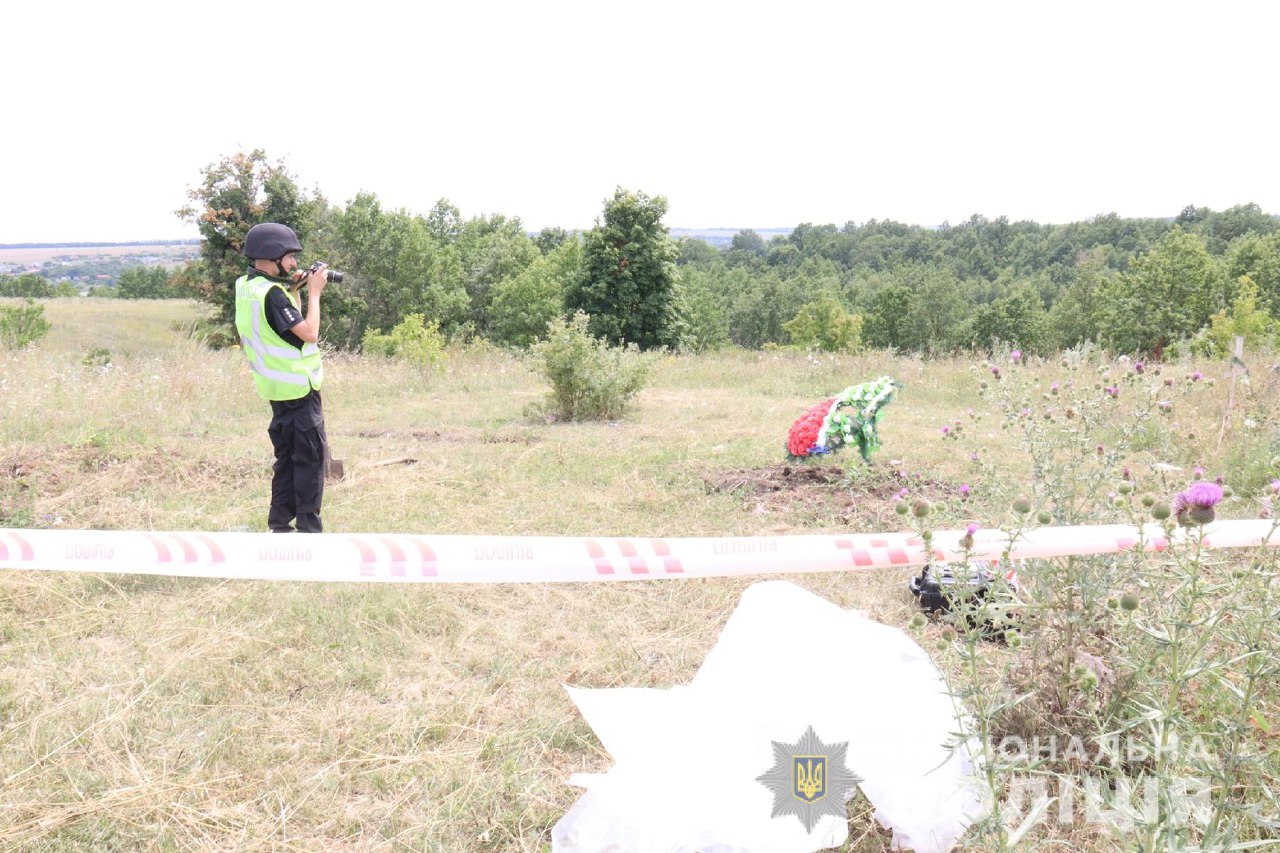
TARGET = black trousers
x,y
297,484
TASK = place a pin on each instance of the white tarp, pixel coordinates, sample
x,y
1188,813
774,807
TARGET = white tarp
x,y
687,759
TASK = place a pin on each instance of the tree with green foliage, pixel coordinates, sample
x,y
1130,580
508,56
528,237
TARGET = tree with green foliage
x,y
691,250
1018,319
748,242
491,249
759,305
144,283
444,221
236,193
1244,320
703,311
397,266
28,285
524,304
1073,318
551,238
1257,257
186,281
1168,293
826,326
628,282
1219,229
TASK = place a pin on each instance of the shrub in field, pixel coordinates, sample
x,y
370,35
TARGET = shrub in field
x,y
590,380
97,358
414,340
20,325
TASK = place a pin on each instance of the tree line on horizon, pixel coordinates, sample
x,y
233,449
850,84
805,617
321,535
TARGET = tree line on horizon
x,y
1146,286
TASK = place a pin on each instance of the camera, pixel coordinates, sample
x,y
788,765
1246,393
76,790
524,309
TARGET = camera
x,y
331,276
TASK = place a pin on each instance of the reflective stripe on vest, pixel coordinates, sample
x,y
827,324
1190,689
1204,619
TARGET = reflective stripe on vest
x,y
280,371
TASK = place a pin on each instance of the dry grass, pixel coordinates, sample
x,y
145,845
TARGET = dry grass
x,y
170,714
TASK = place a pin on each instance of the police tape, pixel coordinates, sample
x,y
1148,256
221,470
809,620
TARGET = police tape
x,y
407,558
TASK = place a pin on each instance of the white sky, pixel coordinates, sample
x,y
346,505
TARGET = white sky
x,y
743,114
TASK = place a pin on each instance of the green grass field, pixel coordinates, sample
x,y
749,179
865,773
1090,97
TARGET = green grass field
x,y
170,714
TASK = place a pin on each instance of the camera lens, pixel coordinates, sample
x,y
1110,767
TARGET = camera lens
x,y
333,276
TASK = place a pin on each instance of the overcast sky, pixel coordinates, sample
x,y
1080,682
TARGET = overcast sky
x,y
743,114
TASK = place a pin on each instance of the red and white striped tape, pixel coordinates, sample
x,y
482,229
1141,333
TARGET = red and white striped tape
x,y
376,558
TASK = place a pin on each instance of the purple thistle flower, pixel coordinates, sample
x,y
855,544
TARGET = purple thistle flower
x,y
971,529
964,491
945,429
1275,486
995,371
1195,505
1138,367
1016,355
1197,376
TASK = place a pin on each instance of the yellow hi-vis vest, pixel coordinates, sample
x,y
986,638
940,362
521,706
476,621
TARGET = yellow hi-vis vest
x,y
281,371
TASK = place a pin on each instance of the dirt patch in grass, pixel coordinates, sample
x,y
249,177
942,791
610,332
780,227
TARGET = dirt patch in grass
x,y
456,436
69,485
812,495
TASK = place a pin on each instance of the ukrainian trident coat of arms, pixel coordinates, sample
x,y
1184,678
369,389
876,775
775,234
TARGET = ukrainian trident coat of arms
x,y
809,779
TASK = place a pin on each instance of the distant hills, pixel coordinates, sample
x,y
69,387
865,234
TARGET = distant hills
x,y
722,237
100,245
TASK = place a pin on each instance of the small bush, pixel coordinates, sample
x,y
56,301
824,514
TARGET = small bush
x,y
589,379
98,357
21,325
207,332
414,340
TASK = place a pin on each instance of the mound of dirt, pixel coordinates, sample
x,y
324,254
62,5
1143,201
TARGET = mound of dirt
x,y
808,494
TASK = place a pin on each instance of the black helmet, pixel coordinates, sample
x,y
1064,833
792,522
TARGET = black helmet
x,y
270,241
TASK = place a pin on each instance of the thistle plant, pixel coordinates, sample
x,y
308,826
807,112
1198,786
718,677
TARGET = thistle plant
x,y
1163,658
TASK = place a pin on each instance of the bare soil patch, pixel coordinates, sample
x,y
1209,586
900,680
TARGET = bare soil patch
x,y
455,436
807,494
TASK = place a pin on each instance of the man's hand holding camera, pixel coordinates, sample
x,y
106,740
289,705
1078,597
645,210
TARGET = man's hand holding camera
x,y
316,277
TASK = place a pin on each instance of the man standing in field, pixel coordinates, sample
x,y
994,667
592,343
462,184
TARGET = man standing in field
x,y
281,347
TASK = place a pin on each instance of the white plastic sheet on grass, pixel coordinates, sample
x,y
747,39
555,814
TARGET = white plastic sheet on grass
x,y
686,760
